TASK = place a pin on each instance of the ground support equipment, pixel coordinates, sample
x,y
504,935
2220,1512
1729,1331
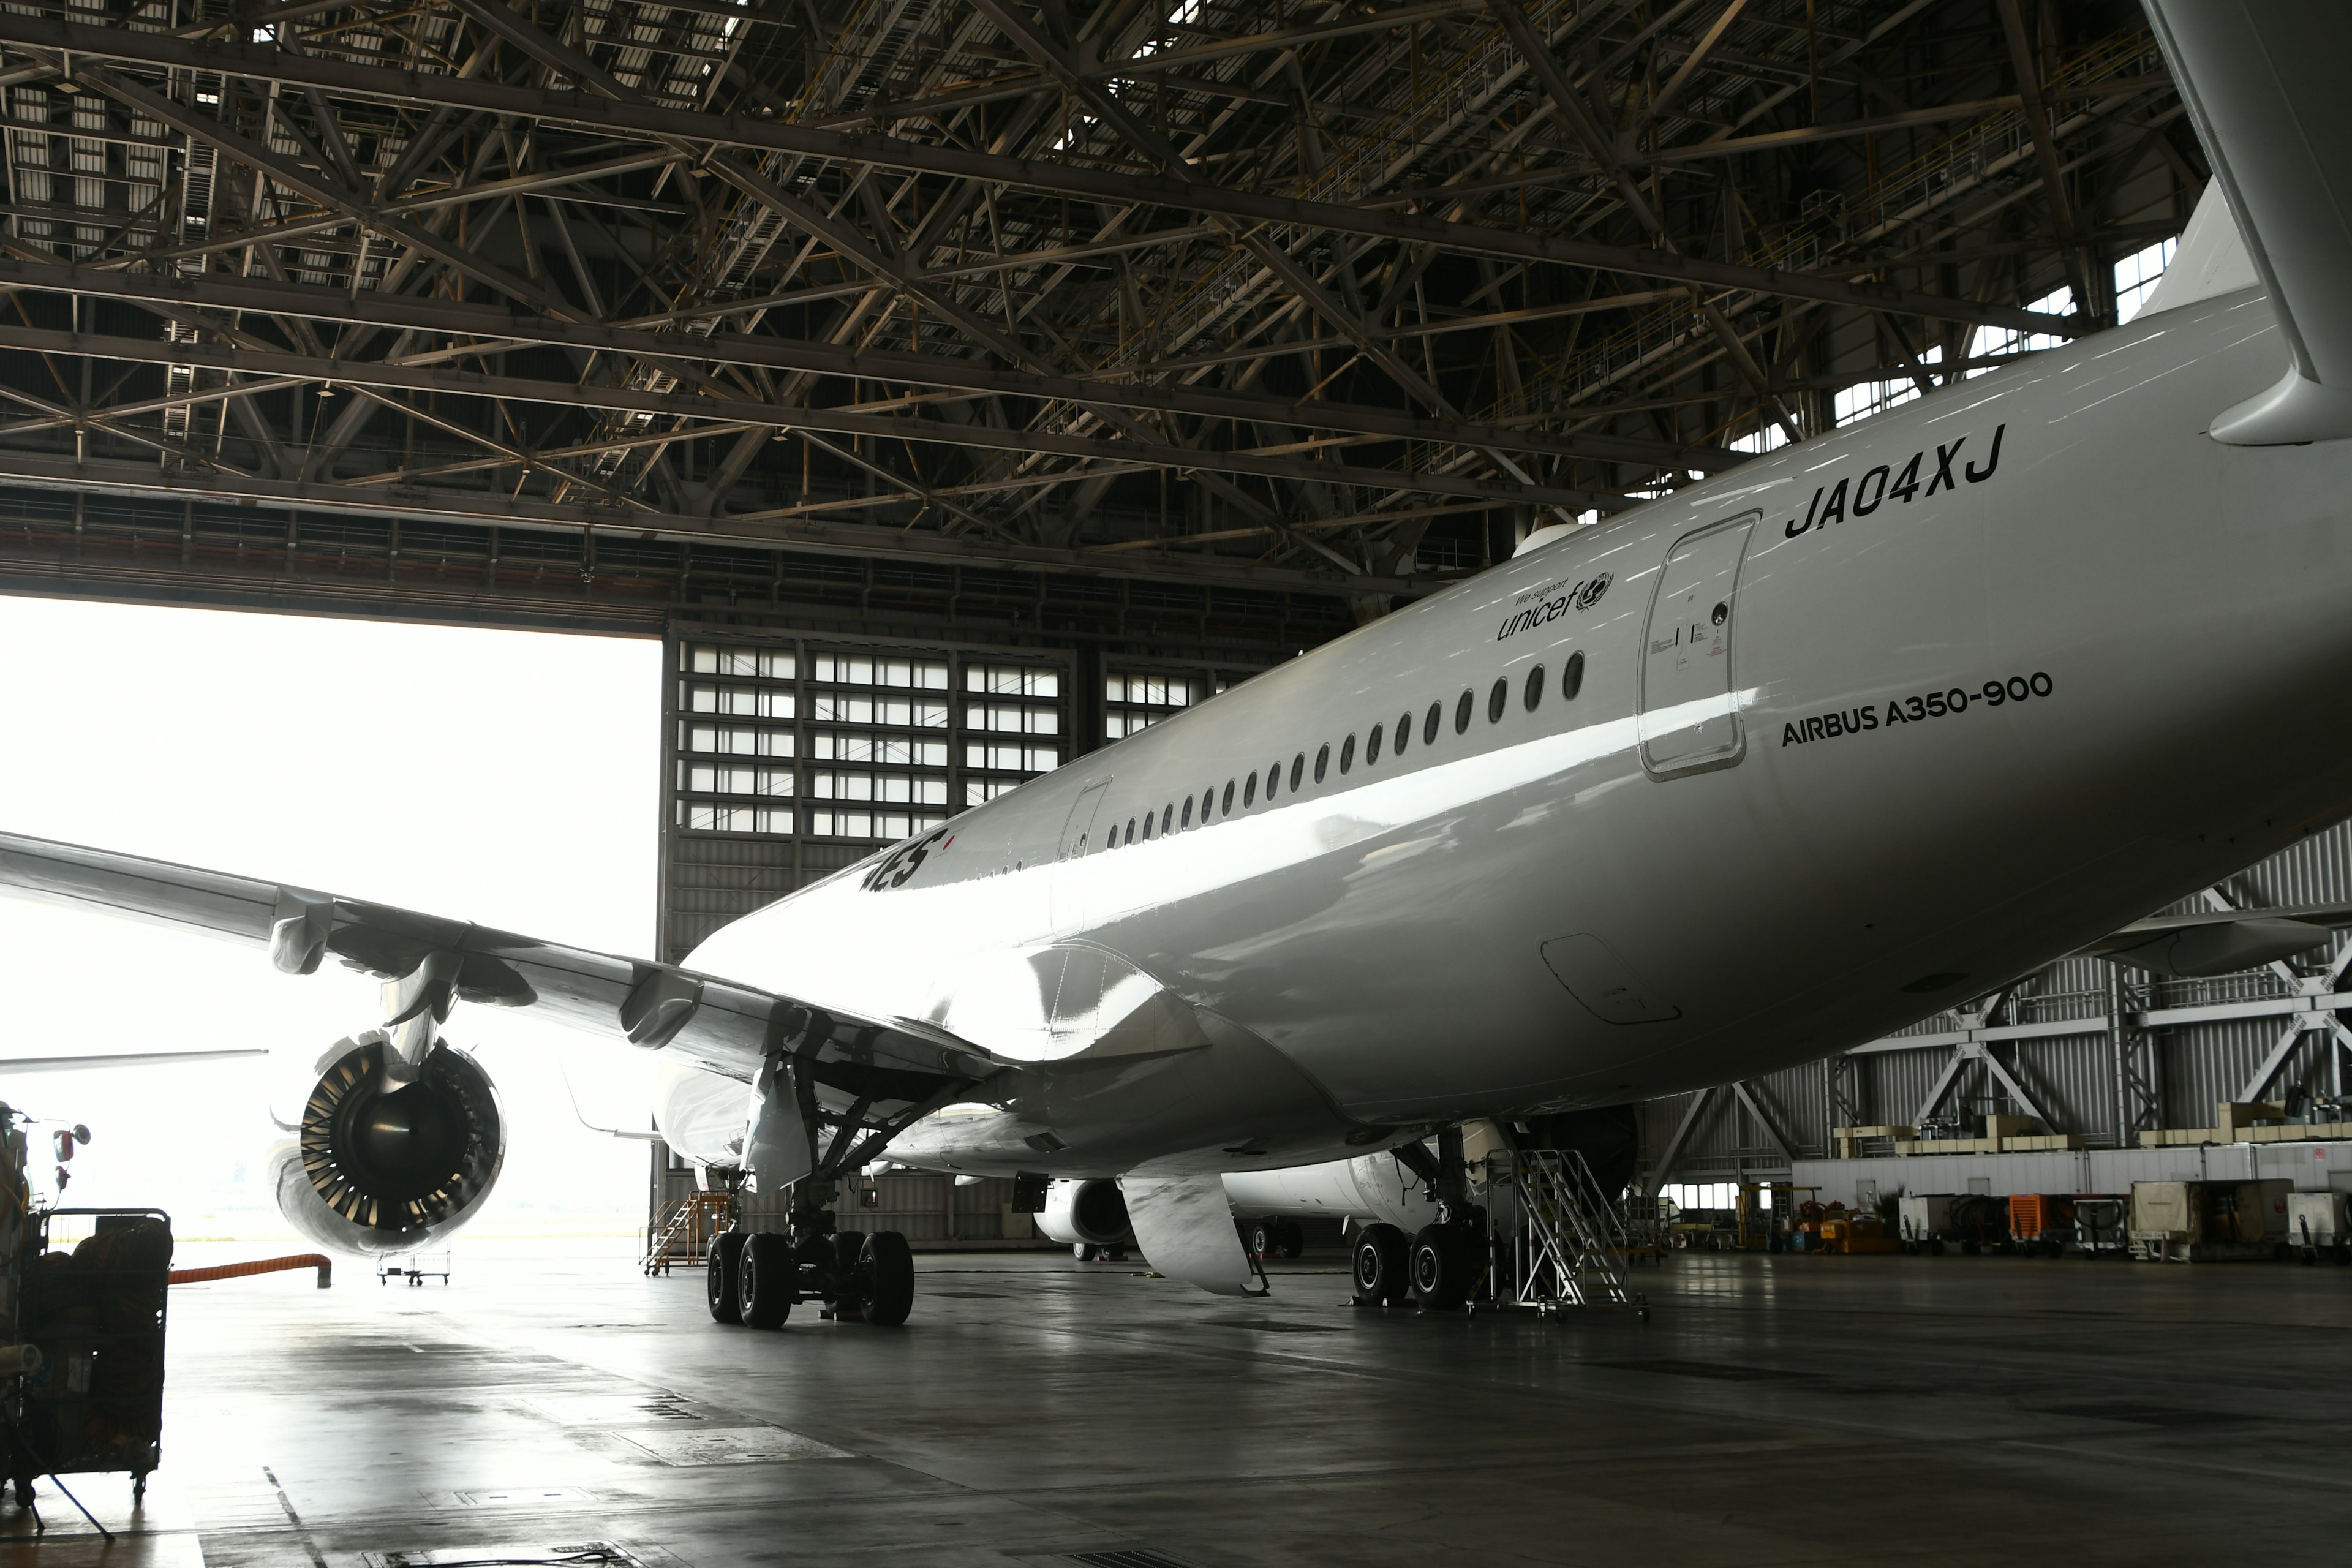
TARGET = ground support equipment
x,y
96,1315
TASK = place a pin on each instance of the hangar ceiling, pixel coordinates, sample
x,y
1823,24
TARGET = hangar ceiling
x,y
1255,314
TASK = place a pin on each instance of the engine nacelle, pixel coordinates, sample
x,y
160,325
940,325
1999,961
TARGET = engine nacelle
x,y
1091,1212
378,1168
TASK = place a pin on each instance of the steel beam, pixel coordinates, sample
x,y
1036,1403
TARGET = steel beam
x,y
145,481
493,326
448,381
1121,187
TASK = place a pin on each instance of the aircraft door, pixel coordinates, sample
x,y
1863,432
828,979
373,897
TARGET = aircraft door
x,y
1077,837
1689,723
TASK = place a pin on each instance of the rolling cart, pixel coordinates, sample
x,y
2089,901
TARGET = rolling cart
x,y
90,1287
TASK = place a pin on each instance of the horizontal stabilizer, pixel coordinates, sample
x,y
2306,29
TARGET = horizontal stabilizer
x,y
2219,941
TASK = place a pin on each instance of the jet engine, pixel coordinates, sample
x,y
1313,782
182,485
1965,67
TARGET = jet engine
x,y
379,1165
1091,1213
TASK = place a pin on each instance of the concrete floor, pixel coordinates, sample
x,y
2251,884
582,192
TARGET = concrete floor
x,y
1776,1410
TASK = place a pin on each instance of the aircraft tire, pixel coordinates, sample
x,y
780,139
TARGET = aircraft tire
x,y
1264,1238
1442,1268
889,1263
1294,1238
764,1289
1083,1251
726,1251
1383,1265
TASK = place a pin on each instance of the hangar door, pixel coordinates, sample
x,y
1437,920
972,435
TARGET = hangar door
x,y
1689,717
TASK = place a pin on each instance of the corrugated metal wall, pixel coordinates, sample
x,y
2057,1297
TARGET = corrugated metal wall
x,y
2070,1077
930,1210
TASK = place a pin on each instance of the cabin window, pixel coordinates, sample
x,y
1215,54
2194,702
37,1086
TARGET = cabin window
x,y
1404,732
1249,792
1208,804
1149,823
1346,754
1498,699
1273,779
1534,688
1322,761
1571,678
1130,829
1462,713
1297,768
1373,746
1229,797
1167,817
1429,724
1188,813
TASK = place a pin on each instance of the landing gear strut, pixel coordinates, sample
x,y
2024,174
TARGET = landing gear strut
x,y
1447,1259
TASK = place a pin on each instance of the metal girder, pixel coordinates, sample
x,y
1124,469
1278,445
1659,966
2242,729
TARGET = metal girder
x,y
41,471
739,412
2283,1048
1756,1109
1123,188
1683,1129
493,326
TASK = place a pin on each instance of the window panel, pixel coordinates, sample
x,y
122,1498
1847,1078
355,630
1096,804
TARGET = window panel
x,y
701,779
838,707
742,701
729,741
766,664
1012,759
861,669
1009,719
1011,680
705,817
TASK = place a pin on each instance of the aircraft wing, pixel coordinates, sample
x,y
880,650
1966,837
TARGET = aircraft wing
x,y
2217,941
120,1059
2264,85
869,1068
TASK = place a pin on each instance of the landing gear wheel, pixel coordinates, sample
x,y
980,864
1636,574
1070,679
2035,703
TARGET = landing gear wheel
x,y
139,1489
726,1253
1444,1268
1294,1238
889,1264
1083,1251
1264,1238
1383,1265
763,1291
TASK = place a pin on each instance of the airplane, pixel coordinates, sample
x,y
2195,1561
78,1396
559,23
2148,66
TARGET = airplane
x,y
1769,767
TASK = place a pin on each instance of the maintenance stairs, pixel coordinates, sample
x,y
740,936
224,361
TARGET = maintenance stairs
x,y
1567,1246
684,1239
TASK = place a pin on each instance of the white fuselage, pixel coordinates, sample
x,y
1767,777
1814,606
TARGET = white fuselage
x,y
1690,872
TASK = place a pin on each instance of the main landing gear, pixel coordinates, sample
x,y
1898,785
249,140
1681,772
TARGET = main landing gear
x,y
1440,1268
756,1279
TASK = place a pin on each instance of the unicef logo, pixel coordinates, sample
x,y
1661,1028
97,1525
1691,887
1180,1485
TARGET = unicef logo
x,y
1589,594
